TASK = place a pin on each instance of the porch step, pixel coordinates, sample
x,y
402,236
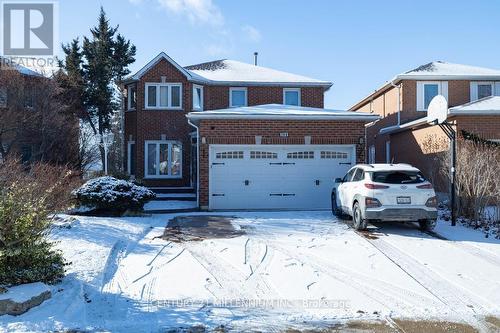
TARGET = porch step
x,y
175,197
165,190
172,206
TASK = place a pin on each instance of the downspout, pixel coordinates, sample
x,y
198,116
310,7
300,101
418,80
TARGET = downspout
x,y
399,100
197,162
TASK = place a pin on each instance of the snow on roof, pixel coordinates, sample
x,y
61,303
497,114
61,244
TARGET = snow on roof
x,y
446,69
279,111
487,105
232,71
21,69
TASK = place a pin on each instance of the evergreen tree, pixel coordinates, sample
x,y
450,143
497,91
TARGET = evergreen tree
x,y
96,69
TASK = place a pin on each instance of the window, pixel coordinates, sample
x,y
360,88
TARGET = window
x,y
163,159
3,98
237,97
333,154
291,96
348,176
371,155
163,96
301,155
431,90
359,175
197,97
427,90
229,155
131,97
263,155
131,158
397,177
484,90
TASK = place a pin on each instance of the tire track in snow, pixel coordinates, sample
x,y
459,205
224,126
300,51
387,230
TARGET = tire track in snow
x,y
454,297
380,291
231,283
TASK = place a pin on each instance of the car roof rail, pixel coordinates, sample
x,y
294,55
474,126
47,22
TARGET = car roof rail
x,y
365,164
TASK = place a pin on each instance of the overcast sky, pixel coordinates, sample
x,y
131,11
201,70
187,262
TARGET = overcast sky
x,y
358,45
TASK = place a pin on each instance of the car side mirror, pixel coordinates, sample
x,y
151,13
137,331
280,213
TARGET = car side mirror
x,y
338,180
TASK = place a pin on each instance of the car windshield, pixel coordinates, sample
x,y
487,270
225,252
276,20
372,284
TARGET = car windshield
x,y
397,177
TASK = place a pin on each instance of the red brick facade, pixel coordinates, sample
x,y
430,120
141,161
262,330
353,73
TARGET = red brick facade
x,y
244,132
143,124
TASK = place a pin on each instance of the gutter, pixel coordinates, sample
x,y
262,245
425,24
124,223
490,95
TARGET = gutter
x,y
197,162
399,99
277,117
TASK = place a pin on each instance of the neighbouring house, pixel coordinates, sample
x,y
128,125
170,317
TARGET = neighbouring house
x,y
262,137
403,135
33,123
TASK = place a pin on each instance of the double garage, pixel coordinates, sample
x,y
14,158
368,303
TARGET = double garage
x,y
274,156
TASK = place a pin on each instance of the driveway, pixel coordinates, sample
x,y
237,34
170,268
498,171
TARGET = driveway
x,y
282,270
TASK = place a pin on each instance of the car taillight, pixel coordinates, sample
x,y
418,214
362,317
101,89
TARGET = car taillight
x,y
372,203
427,186
375,187
432,202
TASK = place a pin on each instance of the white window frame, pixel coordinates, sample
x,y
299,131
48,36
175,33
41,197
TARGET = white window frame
x,y
158,85
293,90
196,86
474,89
129,100
231,96
129,158
157,158
442,90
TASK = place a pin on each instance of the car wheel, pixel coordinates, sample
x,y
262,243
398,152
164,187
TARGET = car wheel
x,y
335,209
427,225
357,218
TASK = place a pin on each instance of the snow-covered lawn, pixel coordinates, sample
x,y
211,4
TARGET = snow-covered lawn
x,y
290,270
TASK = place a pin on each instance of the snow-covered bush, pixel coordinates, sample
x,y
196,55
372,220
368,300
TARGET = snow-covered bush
x,y
28,199
108,194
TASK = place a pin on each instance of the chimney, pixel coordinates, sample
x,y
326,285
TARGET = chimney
x,y
255,55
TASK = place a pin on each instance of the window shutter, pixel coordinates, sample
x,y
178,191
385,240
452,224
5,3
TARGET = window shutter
x,y
497,89
420,96
444,89
473,91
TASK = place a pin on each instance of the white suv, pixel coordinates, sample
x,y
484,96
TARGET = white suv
x,y
385,192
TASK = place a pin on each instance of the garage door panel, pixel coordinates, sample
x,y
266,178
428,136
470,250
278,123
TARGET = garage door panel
x,y
276,177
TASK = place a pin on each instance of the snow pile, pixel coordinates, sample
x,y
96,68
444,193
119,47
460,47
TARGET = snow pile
x,y
24,292
111,194
489,225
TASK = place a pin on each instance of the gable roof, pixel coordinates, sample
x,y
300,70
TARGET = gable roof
x,y
436,70
279,111
234,72
231,72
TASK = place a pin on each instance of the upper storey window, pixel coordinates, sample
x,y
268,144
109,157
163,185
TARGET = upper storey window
x,y
131,97
163,96
237,97
197,97
291,96
427,90
483,89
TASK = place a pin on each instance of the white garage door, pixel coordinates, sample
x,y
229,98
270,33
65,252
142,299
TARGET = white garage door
x,y
277,176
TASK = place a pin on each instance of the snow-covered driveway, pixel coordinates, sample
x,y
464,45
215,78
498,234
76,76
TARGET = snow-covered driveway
x,y
289,269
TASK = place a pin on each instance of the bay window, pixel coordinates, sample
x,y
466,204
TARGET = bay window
x,y
163,96
163,159
237,97
291,96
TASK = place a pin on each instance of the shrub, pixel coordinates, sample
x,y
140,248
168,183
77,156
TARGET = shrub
x,y
28,200
111,195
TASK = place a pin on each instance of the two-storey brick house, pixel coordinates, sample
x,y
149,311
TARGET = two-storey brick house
x,y
402,132
167,129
